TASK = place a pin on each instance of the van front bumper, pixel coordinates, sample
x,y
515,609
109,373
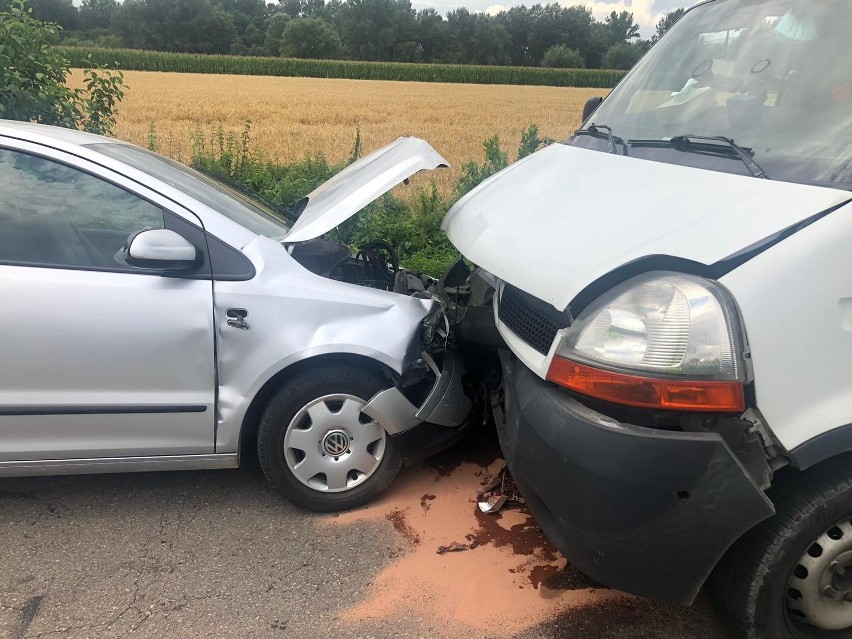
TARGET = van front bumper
x,y
645,511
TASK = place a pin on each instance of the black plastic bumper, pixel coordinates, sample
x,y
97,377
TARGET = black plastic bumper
x,y
645,511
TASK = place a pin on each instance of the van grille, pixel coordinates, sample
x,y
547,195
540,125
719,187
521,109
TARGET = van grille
x,y
531,319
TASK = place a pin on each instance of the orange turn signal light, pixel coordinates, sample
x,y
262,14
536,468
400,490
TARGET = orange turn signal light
x,y
648,392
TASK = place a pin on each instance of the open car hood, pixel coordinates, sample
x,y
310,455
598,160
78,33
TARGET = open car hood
x,y
335,201
556,221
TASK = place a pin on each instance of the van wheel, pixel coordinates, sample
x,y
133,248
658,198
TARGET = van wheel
x,y
317,447
791,576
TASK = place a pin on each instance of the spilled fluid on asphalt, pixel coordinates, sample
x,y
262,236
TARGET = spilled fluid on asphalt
x,y
508,580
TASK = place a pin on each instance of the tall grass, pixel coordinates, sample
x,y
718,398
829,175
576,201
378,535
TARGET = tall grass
x,y
135,60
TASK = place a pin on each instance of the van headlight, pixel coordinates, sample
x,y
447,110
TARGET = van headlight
x,y
660,340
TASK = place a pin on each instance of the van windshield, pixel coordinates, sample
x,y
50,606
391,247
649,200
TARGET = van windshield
x,y
773,75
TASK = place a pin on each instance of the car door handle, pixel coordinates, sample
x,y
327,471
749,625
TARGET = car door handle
x,y
237,318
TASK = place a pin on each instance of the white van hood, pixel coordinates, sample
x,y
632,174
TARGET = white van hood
x,y
554,222
335,201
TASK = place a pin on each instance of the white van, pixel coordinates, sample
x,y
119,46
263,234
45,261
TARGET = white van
x,y
674,285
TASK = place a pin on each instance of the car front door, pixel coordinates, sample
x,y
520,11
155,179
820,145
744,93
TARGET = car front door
x,y
97,359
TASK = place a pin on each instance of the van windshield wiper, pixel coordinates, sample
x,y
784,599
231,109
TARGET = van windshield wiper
x,y
685,143
602,130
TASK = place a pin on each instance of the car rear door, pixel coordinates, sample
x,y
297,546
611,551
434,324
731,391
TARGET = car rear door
x,y
97,359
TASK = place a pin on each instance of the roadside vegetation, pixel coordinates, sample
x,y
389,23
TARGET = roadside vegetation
x,y
366,30
411,222
33,78
133,60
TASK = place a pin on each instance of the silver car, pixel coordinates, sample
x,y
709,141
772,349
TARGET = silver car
x,y
157,319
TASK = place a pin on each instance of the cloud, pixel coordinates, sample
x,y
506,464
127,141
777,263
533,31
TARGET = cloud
x,y
494,9
644,12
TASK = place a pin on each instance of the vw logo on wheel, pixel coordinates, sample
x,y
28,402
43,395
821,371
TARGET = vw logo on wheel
x,y
335,443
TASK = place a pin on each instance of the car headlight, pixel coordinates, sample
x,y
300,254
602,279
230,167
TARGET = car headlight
x,y
660,340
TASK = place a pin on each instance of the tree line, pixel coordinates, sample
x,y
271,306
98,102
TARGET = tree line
x,y
387,30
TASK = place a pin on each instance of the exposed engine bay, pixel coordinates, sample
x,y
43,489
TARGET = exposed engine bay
x,y
463,312
458,337
375,264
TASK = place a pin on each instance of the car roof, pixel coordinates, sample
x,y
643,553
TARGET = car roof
x,y
42,133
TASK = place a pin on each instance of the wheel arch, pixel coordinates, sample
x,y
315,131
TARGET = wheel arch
x,y
823,447
251,419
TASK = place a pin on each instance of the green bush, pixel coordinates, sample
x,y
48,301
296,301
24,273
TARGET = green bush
x,y
135,60
562,57
33,74
623,55
530,142
473,173
411,224
310,38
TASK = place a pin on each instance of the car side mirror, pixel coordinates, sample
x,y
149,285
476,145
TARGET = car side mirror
x,y
161,249
590,106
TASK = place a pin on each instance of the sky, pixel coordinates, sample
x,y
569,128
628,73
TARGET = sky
x,y
646,12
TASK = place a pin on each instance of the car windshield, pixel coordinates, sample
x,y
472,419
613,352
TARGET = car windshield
x,y
239,207
773,75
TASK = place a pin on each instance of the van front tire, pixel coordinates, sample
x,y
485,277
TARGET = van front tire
x,y
773,583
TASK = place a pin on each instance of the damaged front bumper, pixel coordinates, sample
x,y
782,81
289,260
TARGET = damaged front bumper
x,y
435,422
645,511
445,405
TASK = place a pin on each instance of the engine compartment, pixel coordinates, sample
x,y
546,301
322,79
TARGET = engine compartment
x,y
463,315
375,264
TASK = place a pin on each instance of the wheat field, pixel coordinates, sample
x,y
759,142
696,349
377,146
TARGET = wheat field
x,y
294,117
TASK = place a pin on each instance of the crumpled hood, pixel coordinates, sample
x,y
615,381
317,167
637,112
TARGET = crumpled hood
x,y
554,222
341,197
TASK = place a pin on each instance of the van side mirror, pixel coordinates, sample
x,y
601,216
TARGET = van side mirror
x,y
160,249
590,106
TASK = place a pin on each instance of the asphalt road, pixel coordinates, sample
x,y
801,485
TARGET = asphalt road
x,y
220,554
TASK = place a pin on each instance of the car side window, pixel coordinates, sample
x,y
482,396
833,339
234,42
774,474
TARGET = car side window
x,y
52,214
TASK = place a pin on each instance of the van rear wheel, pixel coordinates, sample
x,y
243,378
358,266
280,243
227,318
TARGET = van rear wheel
x,y
791,577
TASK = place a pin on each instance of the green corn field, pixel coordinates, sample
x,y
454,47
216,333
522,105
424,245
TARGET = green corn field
x,y
134,60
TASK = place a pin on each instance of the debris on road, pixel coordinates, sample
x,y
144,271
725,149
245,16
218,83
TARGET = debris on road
x,y
424,503
486,490
458,547
493,504
497,493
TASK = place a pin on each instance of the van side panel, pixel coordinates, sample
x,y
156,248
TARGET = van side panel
x,y
795,301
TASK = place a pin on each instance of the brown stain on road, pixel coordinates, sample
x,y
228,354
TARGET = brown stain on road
x,y
494,586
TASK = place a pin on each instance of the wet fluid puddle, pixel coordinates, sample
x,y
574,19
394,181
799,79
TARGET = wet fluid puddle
x,y
508,579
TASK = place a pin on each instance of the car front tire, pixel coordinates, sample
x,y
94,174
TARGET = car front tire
x,y
317,446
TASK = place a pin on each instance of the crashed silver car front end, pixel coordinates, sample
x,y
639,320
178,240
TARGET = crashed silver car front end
x,y
199,358
298,316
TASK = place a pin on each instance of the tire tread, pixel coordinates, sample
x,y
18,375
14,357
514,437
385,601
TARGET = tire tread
x,y
744,573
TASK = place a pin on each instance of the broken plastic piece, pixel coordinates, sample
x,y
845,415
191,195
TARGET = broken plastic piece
x,y
492,504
